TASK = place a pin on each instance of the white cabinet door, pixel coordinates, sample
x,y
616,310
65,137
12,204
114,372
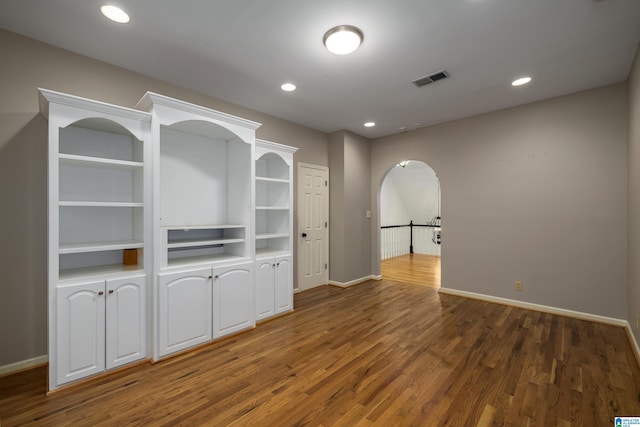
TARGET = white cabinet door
x,y
265,291
80,333
126,321
184,310
283,284
233,302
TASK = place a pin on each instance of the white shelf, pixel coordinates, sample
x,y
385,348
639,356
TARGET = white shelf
x,y
78,248
202,242
270,252
203,260
272,208
102,271
202,227
98,161
68,203
271,236
276,180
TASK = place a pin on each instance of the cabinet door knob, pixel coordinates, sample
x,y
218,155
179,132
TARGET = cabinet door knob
x,y
216,276
100,293
304,234
110,291
210,277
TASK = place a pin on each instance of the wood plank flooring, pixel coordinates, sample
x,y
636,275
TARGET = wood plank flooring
x,y
377,354
412,268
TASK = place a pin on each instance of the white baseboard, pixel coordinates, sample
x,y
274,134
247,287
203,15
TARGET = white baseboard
x,y
633,342
18,366
354,282
537,307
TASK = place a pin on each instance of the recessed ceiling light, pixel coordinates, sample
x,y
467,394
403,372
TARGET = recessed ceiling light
x,y
343,39
288,87
369,124
521,81
115,14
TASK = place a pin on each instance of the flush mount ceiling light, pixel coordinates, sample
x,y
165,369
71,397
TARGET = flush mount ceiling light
x,y
343,39
115,14
521,81
288,87
369,124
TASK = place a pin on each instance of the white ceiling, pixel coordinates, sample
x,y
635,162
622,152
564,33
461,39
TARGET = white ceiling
x,y
243,50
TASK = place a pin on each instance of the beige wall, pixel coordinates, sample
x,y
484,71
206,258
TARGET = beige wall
x,y
27,65
633,298
350,198
336,206
535,193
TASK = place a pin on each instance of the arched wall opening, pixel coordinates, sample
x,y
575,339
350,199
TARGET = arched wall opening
x,y
410,220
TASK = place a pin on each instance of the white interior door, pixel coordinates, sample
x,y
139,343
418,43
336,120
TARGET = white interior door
x,y
313,226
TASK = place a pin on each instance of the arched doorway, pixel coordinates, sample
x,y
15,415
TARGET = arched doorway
x,y
410,244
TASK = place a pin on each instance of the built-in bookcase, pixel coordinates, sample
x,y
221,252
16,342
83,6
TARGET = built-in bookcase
x,y
100,198
171,214
273,182
204,176
274,229
99,206
203,223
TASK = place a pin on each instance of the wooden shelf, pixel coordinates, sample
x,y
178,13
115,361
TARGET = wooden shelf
x,y
78,248
97,161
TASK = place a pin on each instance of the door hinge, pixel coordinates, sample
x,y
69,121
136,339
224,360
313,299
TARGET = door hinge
x,y
325,266
326,183
325,224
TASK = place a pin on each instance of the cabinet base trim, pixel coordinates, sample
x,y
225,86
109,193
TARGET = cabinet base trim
x,y
274,317
23,365
98,377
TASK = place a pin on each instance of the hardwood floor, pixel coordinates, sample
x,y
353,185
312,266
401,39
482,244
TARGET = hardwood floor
x,y
412,268
380,353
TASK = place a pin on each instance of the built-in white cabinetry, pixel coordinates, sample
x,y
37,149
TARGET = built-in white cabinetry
x,y
283,280
274,225
203,222
184,310
274,286
99,205
168,225
80,331
100,325
233,298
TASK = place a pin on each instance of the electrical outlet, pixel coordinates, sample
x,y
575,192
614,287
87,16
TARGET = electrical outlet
x,y
517,285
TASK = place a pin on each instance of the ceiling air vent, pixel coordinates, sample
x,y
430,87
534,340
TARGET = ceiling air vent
x,y
423,81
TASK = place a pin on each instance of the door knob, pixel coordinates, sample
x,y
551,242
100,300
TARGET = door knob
x,y
304,234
